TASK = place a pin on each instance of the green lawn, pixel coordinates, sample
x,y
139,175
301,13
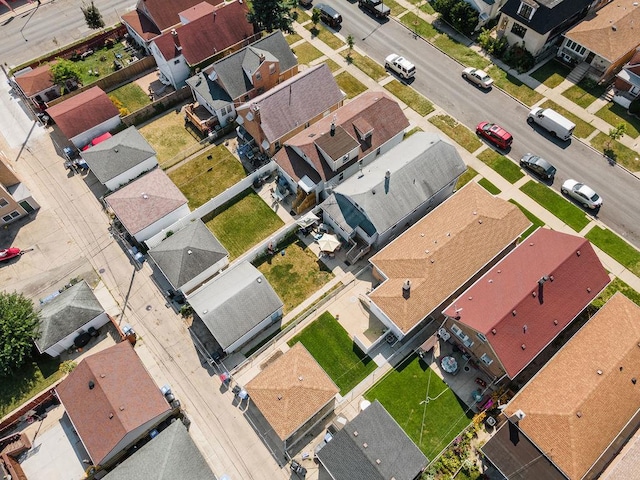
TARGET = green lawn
x,y
616,285
551,74
616,247
621,153
488,186
466,177
325,36
296,275
243,222
29,380
101,61
432,424
426,8
536,222
350,84
614,114
408,95
460,52
582,130
333,66
306,53
501,164
418,25
513,86
457,131
293,38
207,175
131,96
303,15
585,92
366,64
412,131
167,135
337,354
554,203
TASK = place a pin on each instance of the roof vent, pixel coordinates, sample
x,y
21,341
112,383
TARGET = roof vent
x,y
300,378
259,279
531,244
102,375
279,397
513,313
378,462
555,322
110,414
121,408
189,252
579,414
599,372
588,289
499,271
422,234
578,253
406,289
614,28
519,415
475,213
365,445
523,346
491,280
533,294
115,150
145,196
355,433
480,221
470,298
494,331
633,380
524,329
551,277
91,385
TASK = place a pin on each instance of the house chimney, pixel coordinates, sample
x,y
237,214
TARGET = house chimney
x,y
517,416
262,57
387,181
333,128
176,39
406,289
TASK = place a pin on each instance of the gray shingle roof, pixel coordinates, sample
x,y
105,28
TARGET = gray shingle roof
x,y
171,455
66,313
234,302
419,167
549,14
347,458
187,253
118,154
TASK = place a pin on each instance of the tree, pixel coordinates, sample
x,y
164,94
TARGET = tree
x,y
351,41
272,15
64,70
457,13
617,132
19,323
92,16
315,18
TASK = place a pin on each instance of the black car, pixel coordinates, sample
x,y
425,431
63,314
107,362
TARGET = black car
x,y
538,165
329,15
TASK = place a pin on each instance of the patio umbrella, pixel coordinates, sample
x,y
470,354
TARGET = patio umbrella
x,y
307,220
328,243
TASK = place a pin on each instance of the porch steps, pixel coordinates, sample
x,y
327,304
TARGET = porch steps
x,y
608,95
578,72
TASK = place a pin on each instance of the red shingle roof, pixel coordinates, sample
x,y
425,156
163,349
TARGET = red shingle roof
x,y
509,301
164,13
123,397
36,80
141,24
83,111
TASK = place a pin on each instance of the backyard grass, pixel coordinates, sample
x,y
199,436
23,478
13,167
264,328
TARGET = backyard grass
x,y
536,222
350,84
412,131
296,275
619,152
614,114
460,52
582,130
458,132
513,86
167,135
430,425
325,36
131,96
306,53
243,222
29,380
418,25
488,186
337,354
207,175
366,64
501,164
396,8
101,61
554,203
466,177
333,66
616,285
616,247
585,92
408,95
293,38
551,74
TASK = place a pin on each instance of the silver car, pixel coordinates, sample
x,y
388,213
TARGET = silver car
x,y
582,193
479,77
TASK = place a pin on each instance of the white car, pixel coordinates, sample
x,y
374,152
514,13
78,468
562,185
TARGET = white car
x,y
587,197
479,77
400,65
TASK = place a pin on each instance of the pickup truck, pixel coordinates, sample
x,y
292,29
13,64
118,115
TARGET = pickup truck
x,y
376,7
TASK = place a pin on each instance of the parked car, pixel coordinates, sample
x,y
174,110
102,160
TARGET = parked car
x,y
478,77
495,134
329,15
582,193
559,126
400,65
538,165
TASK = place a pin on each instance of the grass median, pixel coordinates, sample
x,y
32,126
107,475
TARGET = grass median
x,y
622,154
614,246
554,203
457,132
325,36
614,114
514,87
408,95
369,66
502,165
419,26
460,52
583,129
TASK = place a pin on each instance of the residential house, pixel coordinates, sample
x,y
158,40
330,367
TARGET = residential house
x,y
581,408
148,205
401,186
219,30
539,25
277,115
112,402
627,81
507,317
236,305
121,158
66,316
372,446
85,116
189,257
169,455
487,10
36,84
606,39
293,394
15,198
442,255
338,146
239,77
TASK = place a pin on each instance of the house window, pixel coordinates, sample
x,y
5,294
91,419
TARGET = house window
x,y
526,11
485,358
341,177
176,61
277,144
482,337
11,216
518,30
306,125
579,49
462,336
272,69
3,202
258,76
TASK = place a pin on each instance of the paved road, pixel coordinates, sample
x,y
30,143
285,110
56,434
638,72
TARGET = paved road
x,y
438,78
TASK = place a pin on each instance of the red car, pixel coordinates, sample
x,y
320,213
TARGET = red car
x,y
495,134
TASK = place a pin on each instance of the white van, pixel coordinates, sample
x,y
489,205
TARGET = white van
x,y
552,121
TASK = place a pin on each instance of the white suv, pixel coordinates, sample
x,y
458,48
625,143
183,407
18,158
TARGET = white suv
x,y
400,65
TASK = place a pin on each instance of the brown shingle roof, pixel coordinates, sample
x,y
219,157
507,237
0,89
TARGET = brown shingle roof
x,y
582,399
36,80
123,397
164,13
610,32
291,390
145,200
83,111
442,251
141,24
338,144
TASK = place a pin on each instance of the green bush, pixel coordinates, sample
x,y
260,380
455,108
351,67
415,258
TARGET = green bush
x,y
492,46
458,13
634,108
518,57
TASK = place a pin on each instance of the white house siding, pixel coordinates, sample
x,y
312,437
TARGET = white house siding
x,y
177,73
533,41
85,137
67,342
254,331
204,276
164,222
125,177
